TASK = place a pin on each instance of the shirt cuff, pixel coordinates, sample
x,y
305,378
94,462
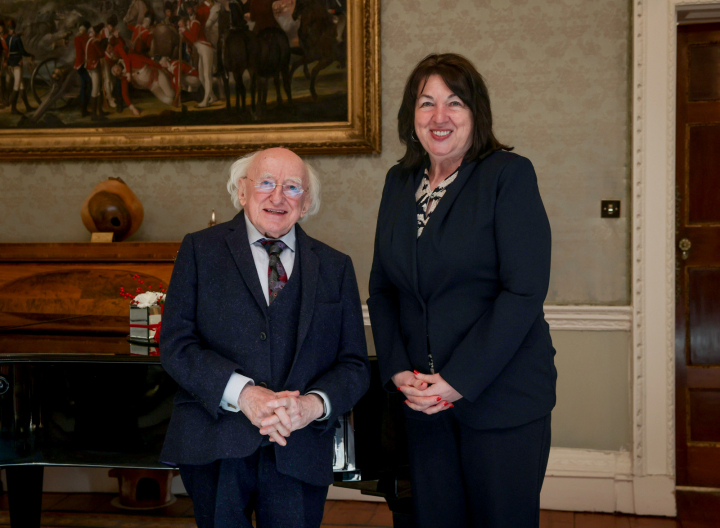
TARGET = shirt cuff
x,y
326,403
234,387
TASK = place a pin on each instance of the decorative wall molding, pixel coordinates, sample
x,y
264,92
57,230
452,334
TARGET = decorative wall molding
x,y
587,480
580,318
638,260
670,254
653,246
588,463
584,318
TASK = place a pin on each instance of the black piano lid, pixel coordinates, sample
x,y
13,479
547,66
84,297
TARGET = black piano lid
x,y
43,338
61,348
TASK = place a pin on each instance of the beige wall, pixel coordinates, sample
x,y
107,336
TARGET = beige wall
x,y
593,390
558,73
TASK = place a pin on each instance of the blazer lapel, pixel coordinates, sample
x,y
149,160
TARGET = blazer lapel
x,y
237,241
453,191
309,272
404,232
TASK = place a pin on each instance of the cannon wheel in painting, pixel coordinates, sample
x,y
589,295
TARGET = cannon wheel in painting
x,y
41,83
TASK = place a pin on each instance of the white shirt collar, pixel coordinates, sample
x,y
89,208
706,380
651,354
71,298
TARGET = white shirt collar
x,y
254,235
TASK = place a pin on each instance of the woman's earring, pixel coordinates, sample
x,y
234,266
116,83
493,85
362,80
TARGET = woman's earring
x,y
412,136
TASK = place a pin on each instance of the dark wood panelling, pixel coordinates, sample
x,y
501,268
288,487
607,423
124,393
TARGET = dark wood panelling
x,y
697,322
703,378
704,465
704,72
704,316
703,181
704,410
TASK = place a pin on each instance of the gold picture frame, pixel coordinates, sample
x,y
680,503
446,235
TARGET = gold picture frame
x,y
360,134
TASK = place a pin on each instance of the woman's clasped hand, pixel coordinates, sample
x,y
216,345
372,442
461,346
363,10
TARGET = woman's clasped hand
x,y
427,393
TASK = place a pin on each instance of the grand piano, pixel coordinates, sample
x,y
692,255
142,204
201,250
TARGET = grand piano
x,y
75,392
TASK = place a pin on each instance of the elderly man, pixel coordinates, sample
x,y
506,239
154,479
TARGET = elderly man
x,y
263,332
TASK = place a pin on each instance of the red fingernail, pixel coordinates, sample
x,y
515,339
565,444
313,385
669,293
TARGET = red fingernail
x,y
439,398
416,372
451,405
399,388
446,404
406,401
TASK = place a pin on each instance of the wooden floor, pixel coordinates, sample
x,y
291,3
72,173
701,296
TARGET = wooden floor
x,y
94,510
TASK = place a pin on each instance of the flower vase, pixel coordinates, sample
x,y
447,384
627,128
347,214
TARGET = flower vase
x,y
144,323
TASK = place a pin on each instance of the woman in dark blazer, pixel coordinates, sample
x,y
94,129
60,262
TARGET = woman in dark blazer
x,y
459,276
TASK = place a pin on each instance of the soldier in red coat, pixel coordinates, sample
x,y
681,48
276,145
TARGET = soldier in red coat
x,y
93,55
192,32
202,12
189,80
141,37
191,10
144,74
85,82
107,34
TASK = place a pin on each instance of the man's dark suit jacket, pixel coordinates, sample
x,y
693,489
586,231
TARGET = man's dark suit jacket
x,y
216,322
471,288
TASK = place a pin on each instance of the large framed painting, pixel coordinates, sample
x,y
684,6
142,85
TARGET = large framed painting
x,y
105,79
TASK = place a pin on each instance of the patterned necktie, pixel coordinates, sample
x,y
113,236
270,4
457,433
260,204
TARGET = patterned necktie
x,y
277,278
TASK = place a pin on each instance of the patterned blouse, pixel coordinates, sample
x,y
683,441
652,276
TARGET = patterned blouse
x,y
427,201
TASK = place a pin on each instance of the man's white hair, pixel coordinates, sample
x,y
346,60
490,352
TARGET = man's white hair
x,y
238,173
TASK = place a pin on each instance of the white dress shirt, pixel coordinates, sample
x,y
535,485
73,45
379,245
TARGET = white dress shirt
x,y
237,381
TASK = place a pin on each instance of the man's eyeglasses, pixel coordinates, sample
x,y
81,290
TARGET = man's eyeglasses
x,y
267,185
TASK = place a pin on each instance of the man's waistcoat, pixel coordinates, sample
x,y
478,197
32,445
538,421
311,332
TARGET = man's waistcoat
x,y
284,314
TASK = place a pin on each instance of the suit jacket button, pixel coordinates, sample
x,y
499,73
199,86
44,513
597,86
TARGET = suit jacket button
x,y
263,384
263,337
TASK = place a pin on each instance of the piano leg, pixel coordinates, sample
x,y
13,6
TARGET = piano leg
x,y
403,520
25,485
401,509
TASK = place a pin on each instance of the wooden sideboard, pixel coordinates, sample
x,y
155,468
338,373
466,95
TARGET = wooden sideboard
x,y
47,287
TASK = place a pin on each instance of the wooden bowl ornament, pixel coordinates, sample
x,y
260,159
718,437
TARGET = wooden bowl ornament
x,y
112,208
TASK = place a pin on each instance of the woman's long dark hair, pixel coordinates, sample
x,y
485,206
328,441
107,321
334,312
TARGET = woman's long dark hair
x,y
463,80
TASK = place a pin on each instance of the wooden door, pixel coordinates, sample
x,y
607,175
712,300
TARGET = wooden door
x,y
698,256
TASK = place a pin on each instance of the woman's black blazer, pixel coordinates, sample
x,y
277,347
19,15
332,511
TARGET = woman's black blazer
x,y
470,289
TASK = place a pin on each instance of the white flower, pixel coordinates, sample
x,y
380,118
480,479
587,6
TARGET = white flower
x,y
147,299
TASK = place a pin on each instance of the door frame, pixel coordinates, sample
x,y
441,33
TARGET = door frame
x,y
653,251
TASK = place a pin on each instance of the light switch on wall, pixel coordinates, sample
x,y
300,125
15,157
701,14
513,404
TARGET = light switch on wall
x,y
610,208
